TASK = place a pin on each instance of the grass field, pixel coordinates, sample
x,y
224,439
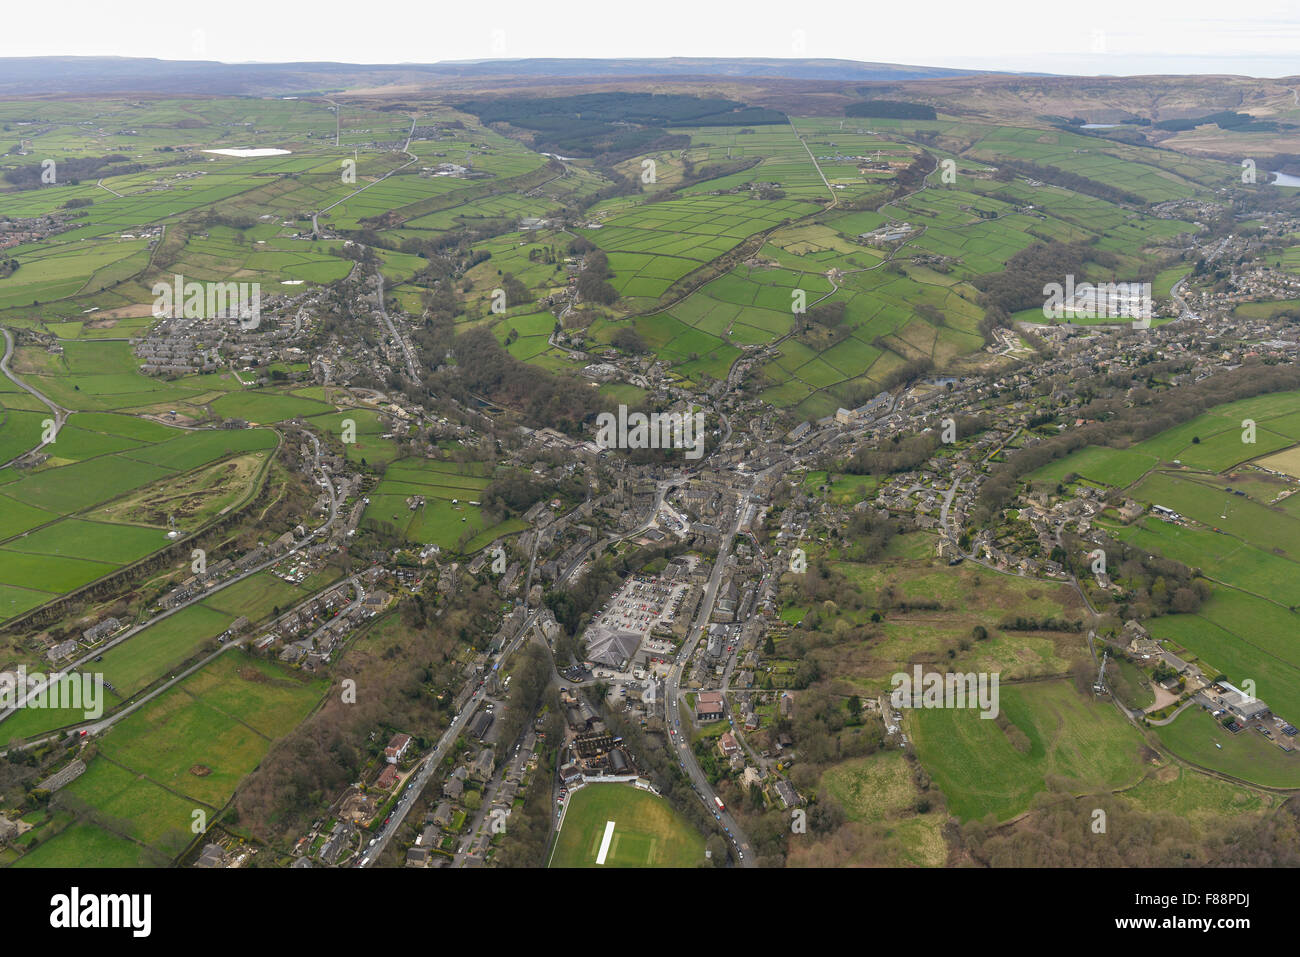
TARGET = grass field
x,y
880,791
971,596
185,751
103,499
139,660
448,516
872,788
256,597
1209,503
1081,744
1288,462
1247,754
79,843
647,831
1119,467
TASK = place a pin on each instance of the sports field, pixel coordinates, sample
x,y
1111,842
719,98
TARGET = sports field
x,y
647,832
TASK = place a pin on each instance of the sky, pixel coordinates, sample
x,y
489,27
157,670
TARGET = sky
x,y
1097,37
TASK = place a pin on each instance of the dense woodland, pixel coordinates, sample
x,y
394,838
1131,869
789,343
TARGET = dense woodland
x,y
1056,176
72,170
1020,285
1057,832
891,109
615,125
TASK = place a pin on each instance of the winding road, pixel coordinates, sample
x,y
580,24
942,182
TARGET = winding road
x,y
60,414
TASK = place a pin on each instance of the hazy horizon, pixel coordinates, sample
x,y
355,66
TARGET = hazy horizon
x,y
1112,38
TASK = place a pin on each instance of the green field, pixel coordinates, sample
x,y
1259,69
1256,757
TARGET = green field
x,y
1247,754
55,536
647,831
256,597
1082,744
1119,467
185,751
873,788
448,516
142,658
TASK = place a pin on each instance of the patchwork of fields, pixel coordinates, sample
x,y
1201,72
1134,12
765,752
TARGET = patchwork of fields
x,y
1242,532
652,246
63,526
448,515
971,228
461,211
185,752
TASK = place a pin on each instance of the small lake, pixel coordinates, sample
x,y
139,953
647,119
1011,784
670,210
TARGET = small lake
x,y
245,153
1285,179
1100,126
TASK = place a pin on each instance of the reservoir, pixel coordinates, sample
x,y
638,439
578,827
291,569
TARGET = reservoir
x,y
243,154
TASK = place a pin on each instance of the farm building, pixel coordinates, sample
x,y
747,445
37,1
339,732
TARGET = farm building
x,y
1241,704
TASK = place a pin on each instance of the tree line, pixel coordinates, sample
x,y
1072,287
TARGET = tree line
x,y
1150,415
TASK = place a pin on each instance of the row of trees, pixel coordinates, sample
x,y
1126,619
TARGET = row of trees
x,y
1007,168
72,170
1151,414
